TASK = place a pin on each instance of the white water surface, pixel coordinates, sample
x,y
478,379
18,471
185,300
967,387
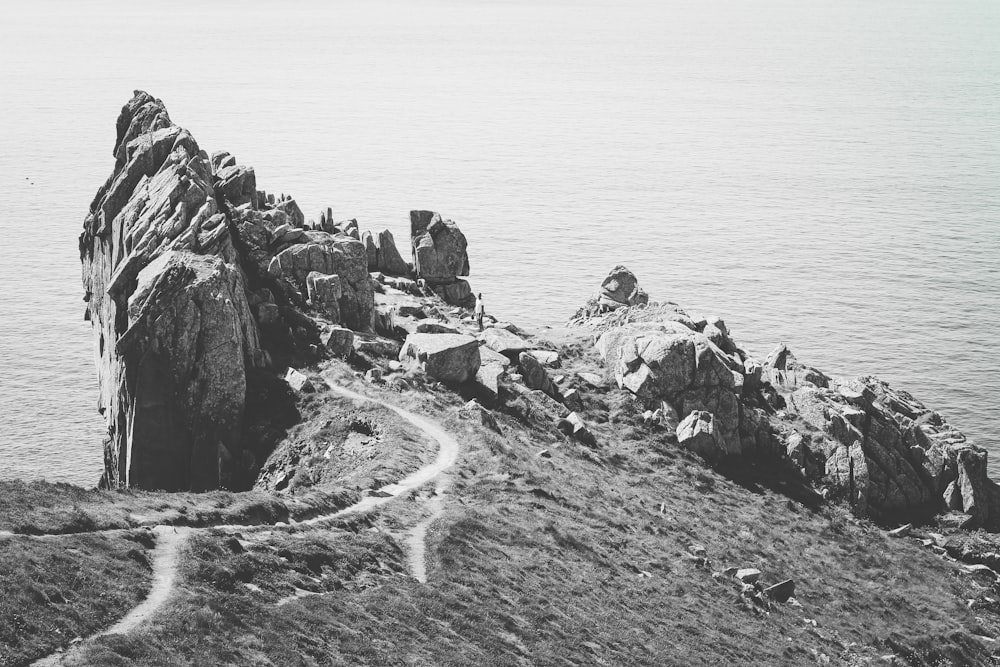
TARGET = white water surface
x,y
823,173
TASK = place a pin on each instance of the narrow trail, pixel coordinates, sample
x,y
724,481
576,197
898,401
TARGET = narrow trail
x,y
165,556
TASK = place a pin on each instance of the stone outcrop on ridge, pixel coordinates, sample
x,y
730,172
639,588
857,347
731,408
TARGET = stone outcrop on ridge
x,y
885,452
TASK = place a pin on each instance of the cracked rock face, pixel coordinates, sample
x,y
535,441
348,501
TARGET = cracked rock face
x,y
890,456
167,301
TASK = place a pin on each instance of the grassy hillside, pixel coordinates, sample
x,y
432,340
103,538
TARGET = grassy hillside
x,y
554,553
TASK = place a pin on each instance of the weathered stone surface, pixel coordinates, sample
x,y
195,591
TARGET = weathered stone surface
x,y
445,357
697,432
388,260
782,591
535,376
667,361
457,292
439,248
299,381
434,327
573,425
748,575
783,370
620,289
167,301
473,410
338,341
547,358
325,293
371,250
332,255
237,184
506,343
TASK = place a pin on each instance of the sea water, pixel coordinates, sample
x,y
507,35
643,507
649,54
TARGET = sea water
x,y
821,173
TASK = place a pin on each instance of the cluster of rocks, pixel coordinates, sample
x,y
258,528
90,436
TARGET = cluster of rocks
x,y
889,455
201,288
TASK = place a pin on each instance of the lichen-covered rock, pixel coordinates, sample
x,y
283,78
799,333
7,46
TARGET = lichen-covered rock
x,y
167,300
445,357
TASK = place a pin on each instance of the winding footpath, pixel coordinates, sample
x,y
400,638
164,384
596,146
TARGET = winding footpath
x,y
165,556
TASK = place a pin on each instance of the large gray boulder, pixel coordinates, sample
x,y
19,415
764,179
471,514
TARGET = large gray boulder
x,y
887,453
440,256
445,357
621,288
439,247
166,297
505,342
668,361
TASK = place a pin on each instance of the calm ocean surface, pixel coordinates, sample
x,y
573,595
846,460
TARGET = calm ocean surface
x,y
824,173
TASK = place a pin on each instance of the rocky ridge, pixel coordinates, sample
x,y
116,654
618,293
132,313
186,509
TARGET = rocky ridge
x,y
202,287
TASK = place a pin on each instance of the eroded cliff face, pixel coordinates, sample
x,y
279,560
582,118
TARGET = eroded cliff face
x,y
167,300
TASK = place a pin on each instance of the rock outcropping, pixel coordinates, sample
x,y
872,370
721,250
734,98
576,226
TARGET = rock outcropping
x,y
891,457
440,257
167,299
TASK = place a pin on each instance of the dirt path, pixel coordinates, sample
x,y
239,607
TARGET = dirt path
x,y
170,539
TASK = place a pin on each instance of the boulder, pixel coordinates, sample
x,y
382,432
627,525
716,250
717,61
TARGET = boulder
x,y
299,381
325,293
548,358
237,184
573,425
535,376
783,370
473,410
456,293
388,259
697,432
434,327
782,591
748,575
439,248
338,341
506,343
444,357
621,288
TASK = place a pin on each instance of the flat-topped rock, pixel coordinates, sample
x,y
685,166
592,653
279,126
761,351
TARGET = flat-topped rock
x,y
445,357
